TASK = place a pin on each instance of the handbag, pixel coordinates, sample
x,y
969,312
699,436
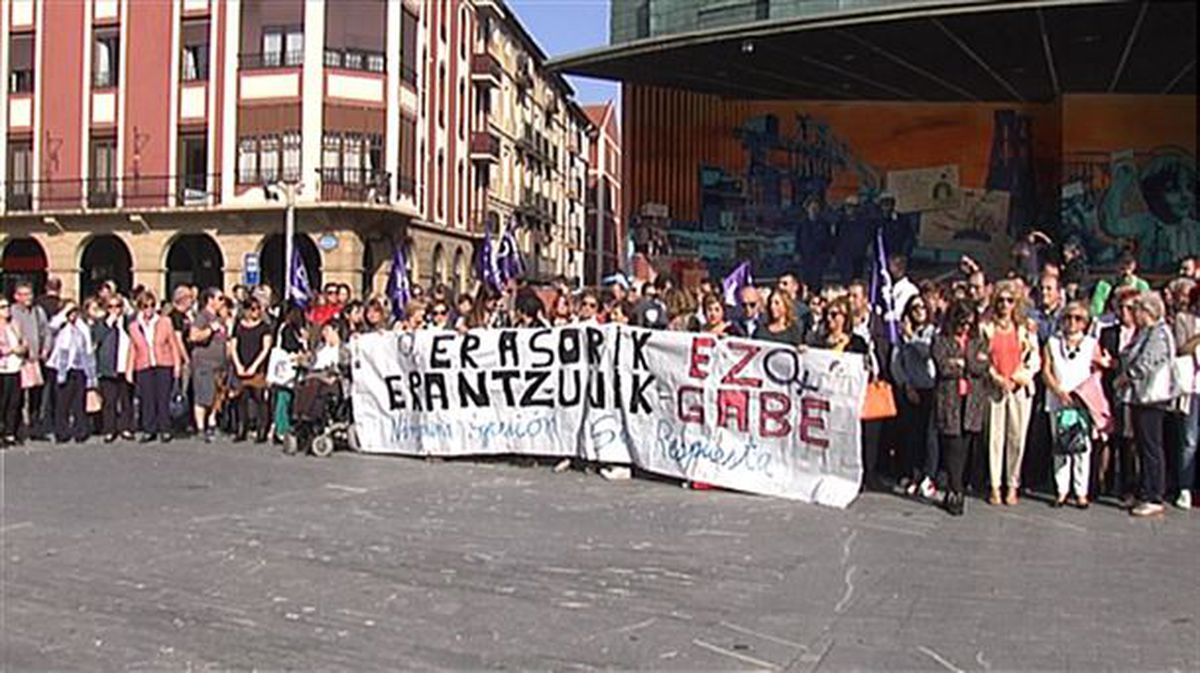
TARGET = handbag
x,y
1071,431
281,368
31,375
1184,370
178,407
93,402
879,403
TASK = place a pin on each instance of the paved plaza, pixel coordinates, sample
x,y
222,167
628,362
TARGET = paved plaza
x,y
195,557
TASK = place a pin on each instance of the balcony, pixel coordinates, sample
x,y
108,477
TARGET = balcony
x,y
271,59
19,197
485,146
102,194
535,207
352,59
485,69
355,185
20,81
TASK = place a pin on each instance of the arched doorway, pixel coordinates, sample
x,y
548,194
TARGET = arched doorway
x,y
105,258
23,261
195,259
439,266
460,271
271,261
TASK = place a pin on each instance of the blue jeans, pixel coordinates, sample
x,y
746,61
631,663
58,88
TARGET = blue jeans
x,y
1187,451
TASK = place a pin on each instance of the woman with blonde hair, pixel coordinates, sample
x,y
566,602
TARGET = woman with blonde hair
x,y
779,318
1011,349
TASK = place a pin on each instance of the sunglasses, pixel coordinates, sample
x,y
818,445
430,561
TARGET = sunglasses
x,y
116,305
835,314
751,304
439,311
3,304
1006,300
590,304
1077,318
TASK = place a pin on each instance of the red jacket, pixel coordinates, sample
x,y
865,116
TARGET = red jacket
x,y
164,343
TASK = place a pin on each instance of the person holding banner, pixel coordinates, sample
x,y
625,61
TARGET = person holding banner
x,y
780,322
1014,360
837,335
714,318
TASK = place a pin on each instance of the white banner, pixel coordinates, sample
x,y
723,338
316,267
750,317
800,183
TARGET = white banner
x,y
741,414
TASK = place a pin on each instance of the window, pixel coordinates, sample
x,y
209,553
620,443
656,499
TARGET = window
x,y
270,158
20,175
248,161
194,59
462,34
282,46
408,47
193,166
408,154
105,55
441,177
291,156
442,95
331,158
102,192
462,108
20,64
351,158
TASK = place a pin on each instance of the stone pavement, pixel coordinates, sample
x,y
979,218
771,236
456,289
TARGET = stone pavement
x,y
237,557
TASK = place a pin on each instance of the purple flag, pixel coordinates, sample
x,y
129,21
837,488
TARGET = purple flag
x,y
736,280
397,287
300,291
881,290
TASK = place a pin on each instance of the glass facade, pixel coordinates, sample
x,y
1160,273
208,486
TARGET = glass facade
x,y
640,19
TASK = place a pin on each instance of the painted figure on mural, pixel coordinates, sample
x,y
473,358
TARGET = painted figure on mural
x,y
813,240
855,232
1166,230
899,229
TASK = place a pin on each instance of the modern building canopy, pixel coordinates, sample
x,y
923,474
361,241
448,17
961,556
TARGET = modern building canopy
x,y
1020,50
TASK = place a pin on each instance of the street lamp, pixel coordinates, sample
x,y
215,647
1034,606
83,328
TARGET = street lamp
x,y
287,191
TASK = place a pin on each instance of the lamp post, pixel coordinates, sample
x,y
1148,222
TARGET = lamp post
x,y
288,190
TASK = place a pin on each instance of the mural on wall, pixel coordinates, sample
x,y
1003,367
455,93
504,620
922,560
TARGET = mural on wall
x,y
766,214
1141,202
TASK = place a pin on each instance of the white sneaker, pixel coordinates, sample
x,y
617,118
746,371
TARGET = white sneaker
x,y
617,473
1147,509
563,465
928,489
1184,501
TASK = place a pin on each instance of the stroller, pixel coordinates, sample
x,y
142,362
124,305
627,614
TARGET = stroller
x,y
321,417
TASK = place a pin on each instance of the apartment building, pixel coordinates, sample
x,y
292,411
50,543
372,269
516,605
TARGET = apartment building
x,y
529,146
155,143
606,232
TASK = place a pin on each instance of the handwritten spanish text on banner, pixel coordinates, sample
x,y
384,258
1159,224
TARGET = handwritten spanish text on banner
x,y
741,414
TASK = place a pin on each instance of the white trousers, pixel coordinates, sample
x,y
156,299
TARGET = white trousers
x,y
1072,471
1008,419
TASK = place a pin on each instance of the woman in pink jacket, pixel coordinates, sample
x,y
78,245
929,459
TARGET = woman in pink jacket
x,y
154,365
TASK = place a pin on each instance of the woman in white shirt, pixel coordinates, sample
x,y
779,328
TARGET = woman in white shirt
x,y
1068,361
12,355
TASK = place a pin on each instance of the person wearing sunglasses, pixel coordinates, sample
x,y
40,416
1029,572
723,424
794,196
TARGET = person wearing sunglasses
x,y
110,335
439,316
153,366
12,356
73,360
1068,360
1117,474
1014,358
589,307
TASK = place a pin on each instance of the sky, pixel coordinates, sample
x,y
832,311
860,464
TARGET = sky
x,y
566,26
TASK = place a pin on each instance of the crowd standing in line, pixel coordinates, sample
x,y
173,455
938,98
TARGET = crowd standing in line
x,y
1034,382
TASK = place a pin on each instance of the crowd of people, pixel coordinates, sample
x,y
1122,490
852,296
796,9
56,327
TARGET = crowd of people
x,y
992,386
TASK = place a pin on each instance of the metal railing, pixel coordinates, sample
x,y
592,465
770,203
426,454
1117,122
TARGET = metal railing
x,y
356,59
20,81
359,185
271,59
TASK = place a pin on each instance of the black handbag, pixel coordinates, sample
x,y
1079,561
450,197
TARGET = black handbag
x,y
178,408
